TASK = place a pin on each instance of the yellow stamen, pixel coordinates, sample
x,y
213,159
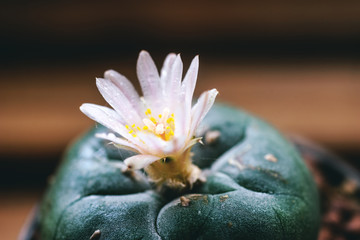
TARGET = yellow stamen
x,y
149,124
163,127
153,120
148,111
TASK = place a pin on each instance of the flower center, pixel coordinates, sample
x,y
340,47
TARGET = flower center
x,y
162,127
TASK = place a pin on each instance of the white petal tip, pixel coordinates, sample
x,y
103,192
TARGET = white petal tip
x,y
139,161
85,108
82,107
129,167
98,81
214,91
129,164
110,73
144,53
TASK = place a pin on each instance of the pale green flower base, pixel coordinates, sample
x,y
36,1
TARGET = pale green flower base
x,y
246,195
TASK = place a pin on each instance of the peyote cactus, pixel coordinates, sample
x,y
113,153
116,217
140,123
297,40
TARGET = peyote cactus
x,y
173,171
256,187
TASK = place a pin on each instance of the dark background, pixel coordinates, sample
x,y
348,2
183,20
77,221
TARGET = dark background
x,y
294,63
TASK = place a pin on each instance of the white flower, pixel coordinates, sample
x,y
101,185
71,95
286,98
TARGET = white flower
x,y
160,126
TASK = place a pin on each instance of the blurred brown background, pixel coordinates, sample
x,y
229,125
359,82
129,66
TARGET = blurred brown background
x,y
294,63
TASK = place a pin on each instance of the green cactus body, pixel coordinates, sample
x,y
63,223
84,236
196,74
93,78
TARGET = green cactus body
x,y
257,187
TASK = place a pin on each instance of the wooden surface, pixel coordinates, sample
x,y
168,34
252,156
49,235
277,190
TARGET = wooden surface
x,y
40,107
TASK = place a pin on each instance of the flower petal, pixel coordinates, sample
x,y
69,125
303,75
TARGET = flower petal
x,y
166,72
201,108
187,91
117,99
119,142
173,86
155,145
149,78
181,129
110,119
126,87
140,161
105,116
188,85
